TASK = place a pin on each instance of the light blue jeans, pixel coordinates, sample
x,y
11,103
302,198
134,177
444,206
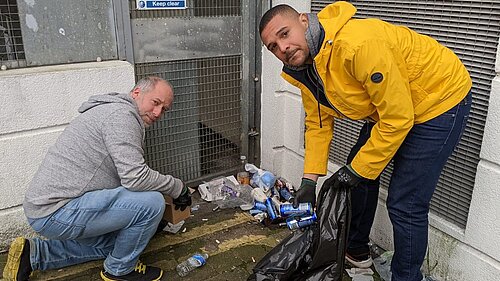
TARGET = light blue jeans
x,y
111,224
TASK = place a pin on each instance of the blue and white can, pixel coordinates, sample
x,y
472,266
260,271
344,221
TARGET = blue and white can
x,y
270,209
285,194
303,209
260,206
301,222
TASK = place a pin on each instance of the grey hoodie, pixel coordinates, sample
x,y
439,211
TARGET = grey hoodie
x,y
100,149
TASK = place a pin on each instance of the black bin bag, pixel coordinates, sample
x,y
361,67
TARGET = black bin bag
x,y
316,253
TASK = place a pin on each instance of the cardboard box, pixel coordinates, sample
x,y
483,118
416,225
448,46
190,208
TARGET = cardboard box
x,y
172,215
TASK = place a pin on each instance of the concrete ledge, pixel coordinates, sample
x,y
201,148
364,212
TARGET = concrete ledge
x,y
13,224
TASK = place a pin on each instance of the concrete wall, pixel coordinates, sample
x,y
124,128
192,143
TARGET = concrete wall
x,y
36,105
469,254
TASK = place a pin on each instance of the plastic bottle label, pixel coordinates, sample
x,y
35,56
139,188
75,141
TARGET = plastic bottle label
x,y
200,258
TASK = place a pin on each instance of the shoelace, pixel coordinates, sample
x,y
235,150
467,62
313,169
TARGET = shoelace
x,y
140,267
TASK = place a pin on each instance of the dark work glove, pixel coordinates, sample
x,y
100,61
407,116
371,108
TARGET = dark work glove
x,y
346,177
184,200
306,193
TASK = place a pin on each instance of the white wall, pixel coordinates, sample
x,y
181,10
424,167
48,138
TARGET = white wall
x,y
471,254
36,105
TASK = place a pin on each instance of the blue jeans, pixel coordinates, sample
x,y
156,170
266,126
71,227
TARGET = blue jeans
x,y
115,224
417,166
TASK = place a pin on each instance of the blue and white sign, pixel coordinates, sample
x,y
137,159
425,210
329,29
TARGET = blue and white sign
x,y
155,5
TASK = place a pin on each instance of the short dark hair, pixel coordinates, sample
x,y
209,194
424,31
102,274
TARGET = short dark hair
x,y
281,9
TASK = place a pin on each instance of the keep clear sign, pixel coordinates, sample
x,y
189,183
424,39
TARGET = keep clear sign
x,y
154,5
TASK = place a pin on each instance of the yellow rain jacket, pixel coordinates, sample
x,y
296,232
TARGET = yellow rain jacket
x,y
374,70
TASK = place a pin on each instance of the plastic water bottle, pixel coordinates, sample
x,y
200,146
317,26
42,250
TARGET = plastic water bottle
x,y
243,176
191,263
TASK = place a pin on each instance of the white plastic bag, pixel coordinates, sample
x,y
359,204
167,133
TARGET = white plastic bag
x,y
260,178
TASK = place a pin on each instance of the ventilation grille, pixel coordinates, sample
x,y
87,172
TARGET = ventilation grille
x,y
11,42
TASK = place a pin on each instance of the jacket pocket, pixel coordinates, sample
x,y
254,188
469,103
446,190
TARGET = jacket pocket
x,y
418,94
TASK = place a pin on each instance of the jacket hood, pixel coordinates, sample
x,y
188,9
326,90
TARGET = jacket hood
x,y
107,99
335,16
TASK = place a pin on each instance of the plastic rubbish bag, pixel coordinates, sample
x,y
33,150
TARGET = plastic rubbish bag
x,y
211,191
382,265
235,195
316,253
260,178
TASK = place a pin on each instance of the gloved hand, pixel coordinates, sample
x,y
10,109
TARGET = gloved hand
x,y
347,177
184,200
306,193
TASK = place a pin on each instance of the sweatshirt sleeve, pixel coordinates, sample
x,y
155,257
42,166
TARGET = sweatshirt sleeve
x,y
123,136
379,68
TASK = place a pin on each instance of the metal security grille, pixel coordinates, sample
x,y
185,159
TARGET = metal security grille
x,y
200,136
199,51
471,29
198,8
11,43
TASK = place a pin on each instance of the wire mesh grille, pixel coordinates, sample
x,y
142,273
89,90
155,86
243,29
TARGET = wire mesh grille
x,y
471,29
195,8
11,43
200,135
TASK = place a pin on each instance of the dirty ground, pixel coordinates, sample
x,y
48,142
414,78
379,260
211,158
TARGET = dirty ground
x,y
231,237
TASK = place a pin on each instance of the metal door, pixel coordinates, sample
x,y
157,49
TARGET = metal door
x,y
207,52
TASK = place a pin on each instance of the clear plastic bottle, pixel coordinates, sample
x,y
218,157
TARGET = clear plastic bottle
x,y
243,176
191,263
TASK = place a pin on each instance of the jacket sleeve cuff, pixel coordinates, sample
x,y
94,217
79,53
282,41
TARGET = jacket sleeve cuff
x,y
350,168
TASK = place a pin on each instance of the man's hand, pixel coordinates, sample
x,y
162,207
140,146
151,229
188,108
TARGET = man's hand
x,y
347,177
184,200
306,193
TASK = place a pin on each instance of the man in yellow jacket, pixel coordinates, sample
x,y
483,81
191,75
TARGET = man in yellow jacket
x,y
414,95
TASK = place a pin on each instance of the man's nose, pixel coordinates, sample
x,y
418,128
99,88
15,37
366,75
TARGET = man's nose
x,y
157,111
283,46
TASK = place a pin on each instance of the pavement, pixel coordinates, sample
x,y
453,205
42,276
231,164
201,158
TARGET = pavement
x,y
233,240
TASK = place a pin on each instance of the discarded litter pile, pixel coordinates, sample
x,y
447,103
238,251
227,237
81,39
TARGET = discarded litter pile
x,y
268,198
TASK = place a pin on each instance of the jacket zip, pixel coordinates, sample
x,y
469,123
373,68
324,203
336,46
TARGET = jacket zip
x,y
368,118
324,90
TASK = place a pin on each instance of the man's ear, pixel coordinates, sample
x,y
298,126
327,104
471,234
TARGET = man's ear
x,y
135,93
304,20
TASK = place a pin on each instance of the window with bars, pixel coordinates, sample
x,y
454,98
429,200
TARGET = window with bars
x,y
11,42
471,28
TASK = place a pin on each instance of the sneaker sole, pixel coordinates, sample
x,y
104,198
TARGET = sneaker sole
x,y
108,279
360,264
13,259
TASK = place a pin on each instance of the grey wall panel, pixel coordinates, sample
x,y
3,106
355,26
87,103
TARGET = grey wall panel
x,y
164,39
65,31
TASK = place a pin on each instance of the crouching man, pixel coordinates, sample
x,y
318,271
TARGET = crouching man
x,y
93,196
